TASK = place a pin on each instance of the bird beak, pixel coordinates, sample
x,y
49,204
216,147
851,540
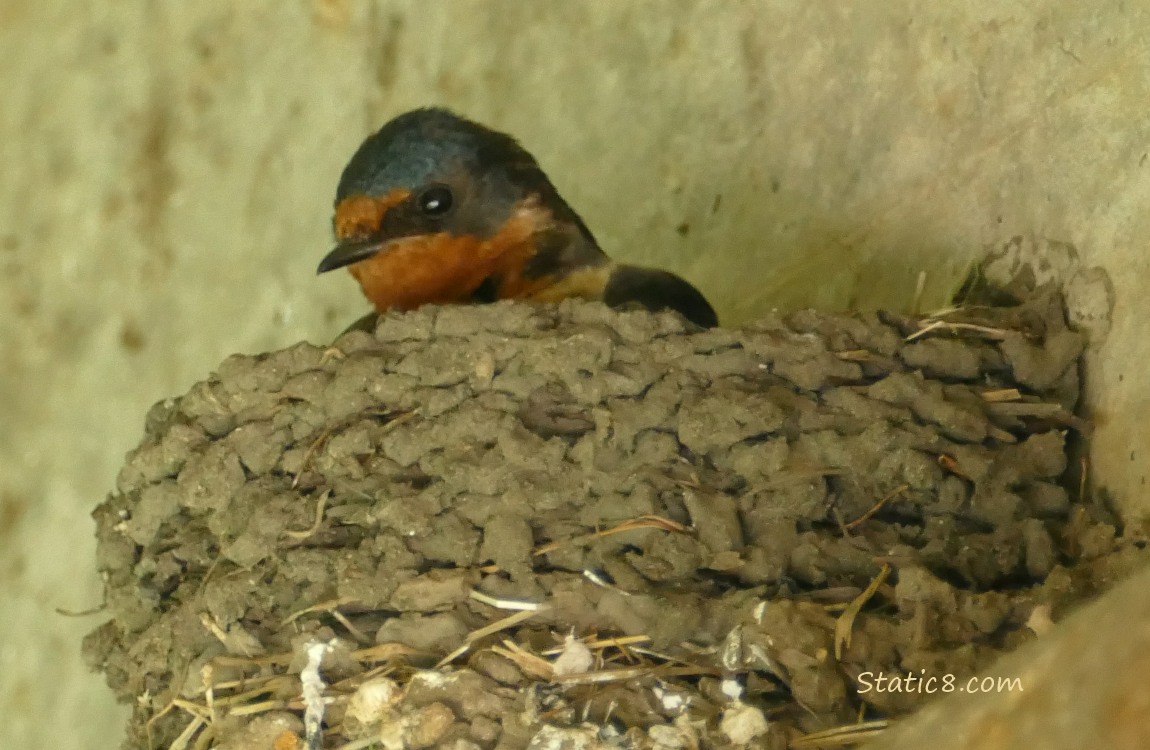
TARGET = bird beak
x,y
348,252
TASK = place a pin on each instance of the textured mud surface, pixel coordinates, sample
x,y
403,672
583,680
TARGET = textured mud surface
x,y
697,508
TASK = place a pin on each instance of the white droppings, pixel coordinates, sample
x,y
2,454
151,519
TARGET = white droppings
x,y
433,679
313,687
672,702
575,658
731,688
372,699
742,723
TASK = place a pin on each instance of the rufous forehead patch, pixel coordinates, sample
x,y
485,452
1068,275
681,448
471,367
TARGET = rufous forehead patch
x,y
360,215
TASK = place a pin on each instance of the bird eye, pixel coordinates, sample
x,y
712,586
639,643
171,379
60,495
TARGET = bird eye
x,y
436,200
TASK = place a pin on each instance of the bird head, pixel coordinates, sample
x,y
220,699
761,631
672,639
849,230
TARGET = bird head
x,y
434,205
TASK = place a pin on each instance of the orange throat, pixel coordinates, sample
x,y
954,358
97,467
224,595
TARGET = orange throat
x,y
445,268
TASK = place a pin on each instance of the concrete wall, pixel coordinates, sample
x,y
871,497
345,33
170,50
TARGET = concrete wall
x,y
166,174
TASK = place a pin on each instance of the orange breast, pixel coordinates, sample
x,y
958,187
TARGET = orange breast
x,y
423,270
445,268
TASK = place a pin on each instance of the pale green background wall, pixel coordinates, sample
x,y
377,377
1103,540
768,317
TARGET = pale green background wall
x,y
166,173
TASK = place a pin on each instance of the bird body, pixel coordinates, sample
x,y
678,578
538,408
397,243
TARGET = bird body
x,y
434,208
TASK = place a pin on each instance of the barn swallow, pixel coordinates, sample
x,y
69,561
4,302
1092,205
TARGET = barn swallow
x,y
435,208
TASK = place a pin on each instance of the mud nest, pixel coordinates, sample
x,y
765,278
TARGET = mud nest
x,y
512,526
